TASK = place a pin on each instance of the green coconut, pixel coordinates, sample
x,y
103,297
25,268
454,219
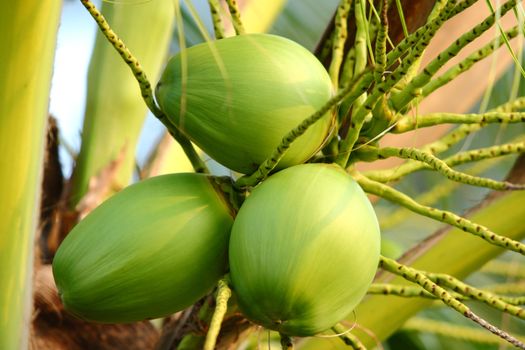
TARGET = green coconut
x,y
151,250
304,249
236,98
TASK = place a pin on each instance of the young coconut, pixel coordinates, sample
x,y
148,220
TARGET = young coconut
x,y
151,250
236,98
304,249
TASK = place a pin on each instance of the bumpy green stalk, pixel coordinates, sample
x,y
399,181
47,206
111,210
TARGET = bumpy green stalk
x,y
26,59
447,217
340,34
456,159
435,147
400,100
448,11
485,153
350,92
382,34
417,292
400,291
455,331
440,166
468,62
505,268
409,123
145,88
216,18
433,195
358,118
348,67
513,105
221,306
476,294
347,337
514,300
236,16
360,38
419,277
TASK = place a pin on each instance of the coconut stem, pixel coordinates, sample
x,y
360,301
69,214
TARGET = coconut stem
x,y
380,90
441,145
468,62
145,86
236,17
223,295
435,147
390,194
338,44
447,12
399,101
218,28
439,165
409,123
380,49
420,278
477,294
286,342
347,337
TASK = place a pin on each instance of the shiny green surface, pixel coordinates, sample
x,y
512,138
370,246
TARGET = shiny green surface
x,y
237,98
304,249
149,251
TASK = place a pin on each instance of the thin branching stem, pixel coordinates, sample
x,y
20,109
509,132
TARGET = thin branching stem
x,y
409,123
468,62
145,86
476,294
363,109
511,269
447,11
221,305
406,291
435,147
456,159
437,164
485,153
347,337
419,277
447,217
412,90
215,12
380,49
400,291
236,17
338,44
433,195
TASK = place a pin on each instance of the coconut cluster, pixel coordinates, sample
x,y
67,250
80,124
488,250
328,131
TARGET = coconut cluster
x,y
302,249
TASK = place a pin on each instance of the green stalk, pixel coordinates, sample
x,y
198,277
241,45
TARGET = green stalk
x,y
115,112
28,43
